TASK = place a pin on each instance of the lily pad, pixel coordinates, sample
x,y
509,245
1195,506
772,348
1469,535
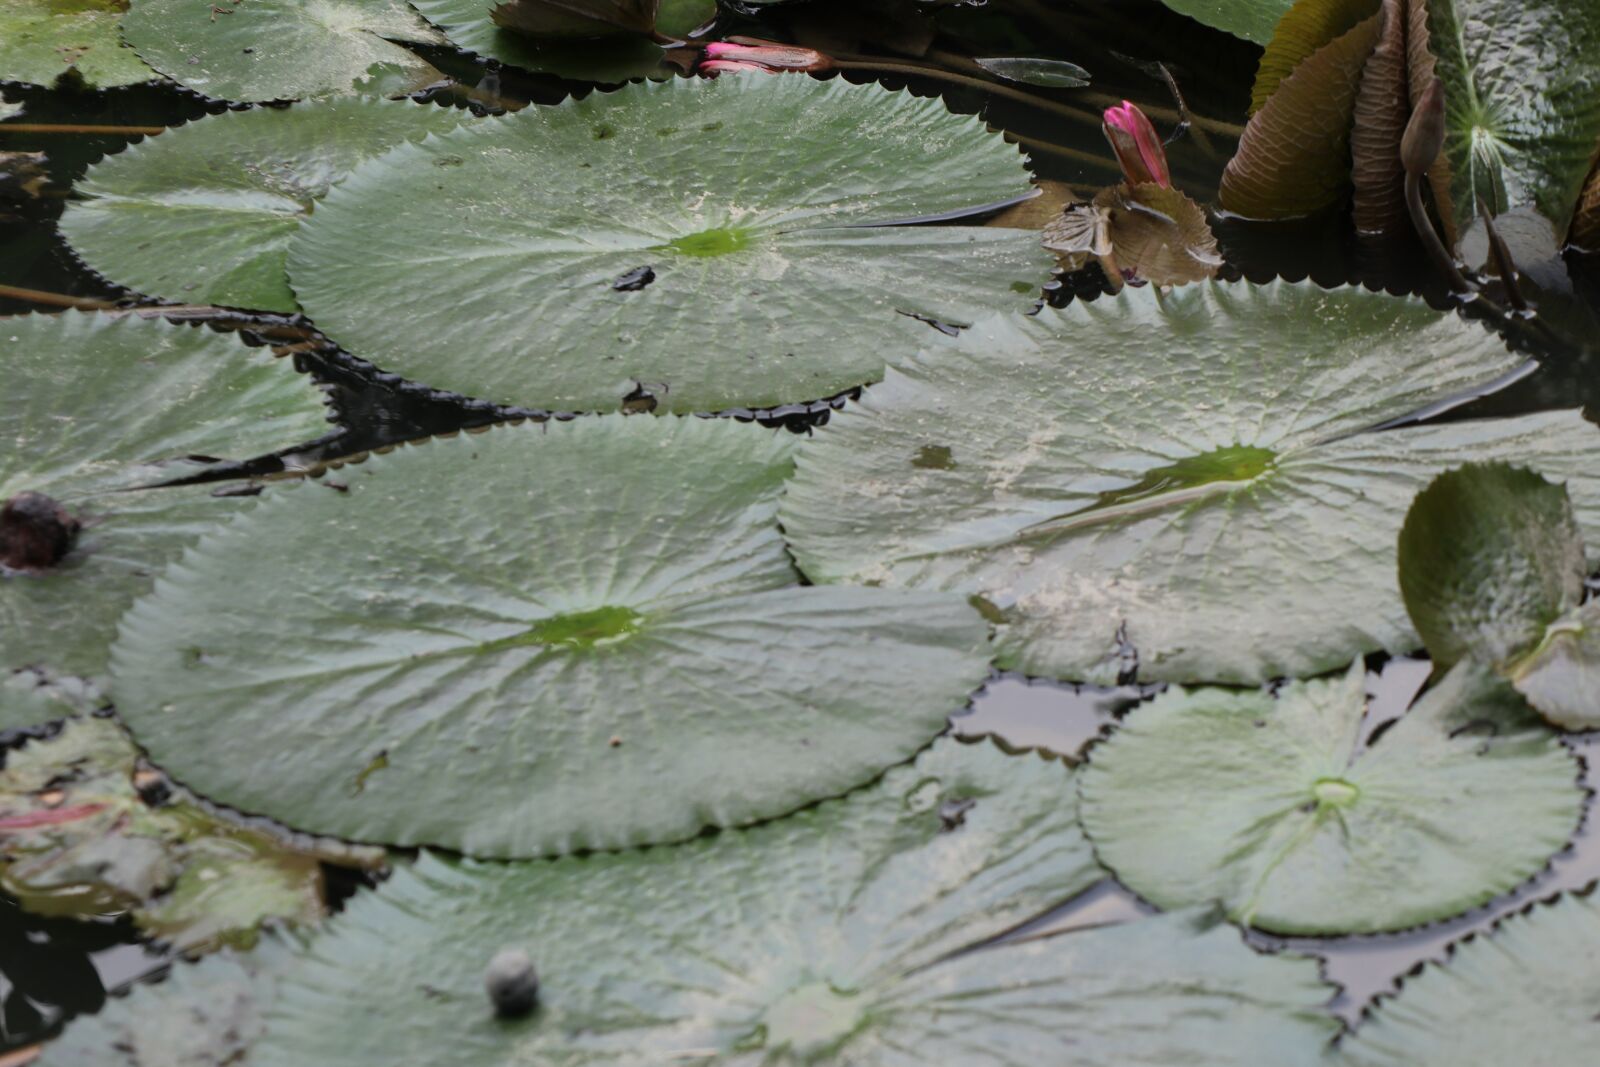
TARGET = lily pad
x,y
1143,231
1186,477
1304,29
534,641
204,213
1492,565
1521,110
282,49
1294,157
610,60
1523,993
41,42
775,945
97,405
205,1014
755,209
1274,807
1254,20
78,837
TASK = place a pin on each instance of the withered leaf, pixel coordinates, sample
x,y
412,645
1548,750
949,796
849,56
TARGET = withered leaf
x,y
1304,28
1145,231
1294,157
1383,105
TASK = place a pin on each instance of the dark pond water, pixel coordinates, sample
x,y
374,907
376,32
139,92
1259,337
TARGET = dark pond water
x,y
53,969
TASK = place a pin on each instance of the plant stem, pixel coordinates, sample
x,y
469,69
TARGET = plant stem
x,y
44,127
1077,114
240,320
1442,260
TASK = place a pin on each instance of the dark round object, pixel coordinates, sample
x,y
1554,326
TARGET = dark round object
x,y
512,983
36,533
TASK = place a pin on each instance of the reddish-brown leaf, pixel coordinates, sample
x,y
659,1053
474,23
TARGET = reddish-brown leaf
x,y
1304,28
1420,66
1585,229
1382,108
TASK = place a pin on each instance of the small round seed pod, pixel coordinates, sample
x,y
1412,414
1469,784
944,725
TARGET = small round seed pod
x,y
36,533
512,983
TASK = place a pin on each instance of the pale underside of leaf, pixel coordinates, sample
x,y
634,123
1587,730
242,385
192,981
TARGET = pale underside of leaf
x,y
1294,157
1561,676
1304,29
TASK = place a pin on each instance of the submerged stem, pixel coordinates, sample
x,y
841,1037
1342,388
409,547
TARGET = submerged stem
x,y
46,127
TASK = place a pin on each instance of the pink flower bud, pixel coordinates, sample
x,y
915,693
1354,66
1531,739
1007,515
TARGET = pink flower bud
x,y
1138,148
725,56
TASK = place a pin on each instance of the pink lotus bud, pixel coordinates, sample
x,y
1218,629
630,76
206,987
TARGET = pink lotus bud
x,y
725,56
1138,148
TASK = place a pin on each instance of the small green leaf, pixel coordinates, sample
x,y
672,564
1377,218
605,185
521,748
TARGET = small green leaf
x,y
1047,73
1489,556
1274,807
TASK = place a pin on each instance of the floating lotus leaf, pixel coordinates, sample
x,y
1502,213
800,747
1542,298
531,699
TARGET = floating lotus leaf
x,y
1521,107
205,1014
33,698
1523,993
79,837
707,239
282,49
613,59
1254,20
1274,807
534,641
1492,566
1182,476
1294,157
42,41
204,213
95,406
832,936
1305,28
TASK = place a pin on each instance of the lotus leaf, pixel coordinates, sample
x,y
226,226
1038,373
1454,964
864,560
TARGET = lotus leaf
x,y
1175,486
1274,806
708,241
42,42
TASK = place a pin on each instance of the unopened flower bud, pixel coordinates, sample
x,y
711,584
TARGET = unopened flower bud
x,y
1138,148
1424,136
723,56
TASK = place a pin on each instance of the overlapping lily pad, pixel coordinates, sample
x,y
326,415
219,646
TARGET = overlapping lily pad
x,y
282,49
31,697
95,406
1177,486
1276,808
1521,109
532,641
611,59
1523,993
204,213
774,945
1492,565
1254,20
708,240
79,837
42,42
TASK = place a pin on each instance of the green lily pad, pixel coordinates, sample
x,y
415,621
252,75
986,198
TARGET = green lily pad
x,y
205,1014
707,240
1492,566
1304,29
536,640
1524,993
1521,109
204,213
1182,474
95,406
1274,807
608,60
30,697
282,49
43,40
777,945
78,837
1254,20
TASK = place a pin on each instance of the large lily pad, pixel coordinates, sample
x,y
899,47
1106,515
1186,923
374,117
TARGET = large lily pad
x,y
1522,110
534,641
707,239
1254,20
282,49
42,41
1272,805
1492,565
610,59
776,945
1523,993
95,406
1183,473
204,213
79,837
